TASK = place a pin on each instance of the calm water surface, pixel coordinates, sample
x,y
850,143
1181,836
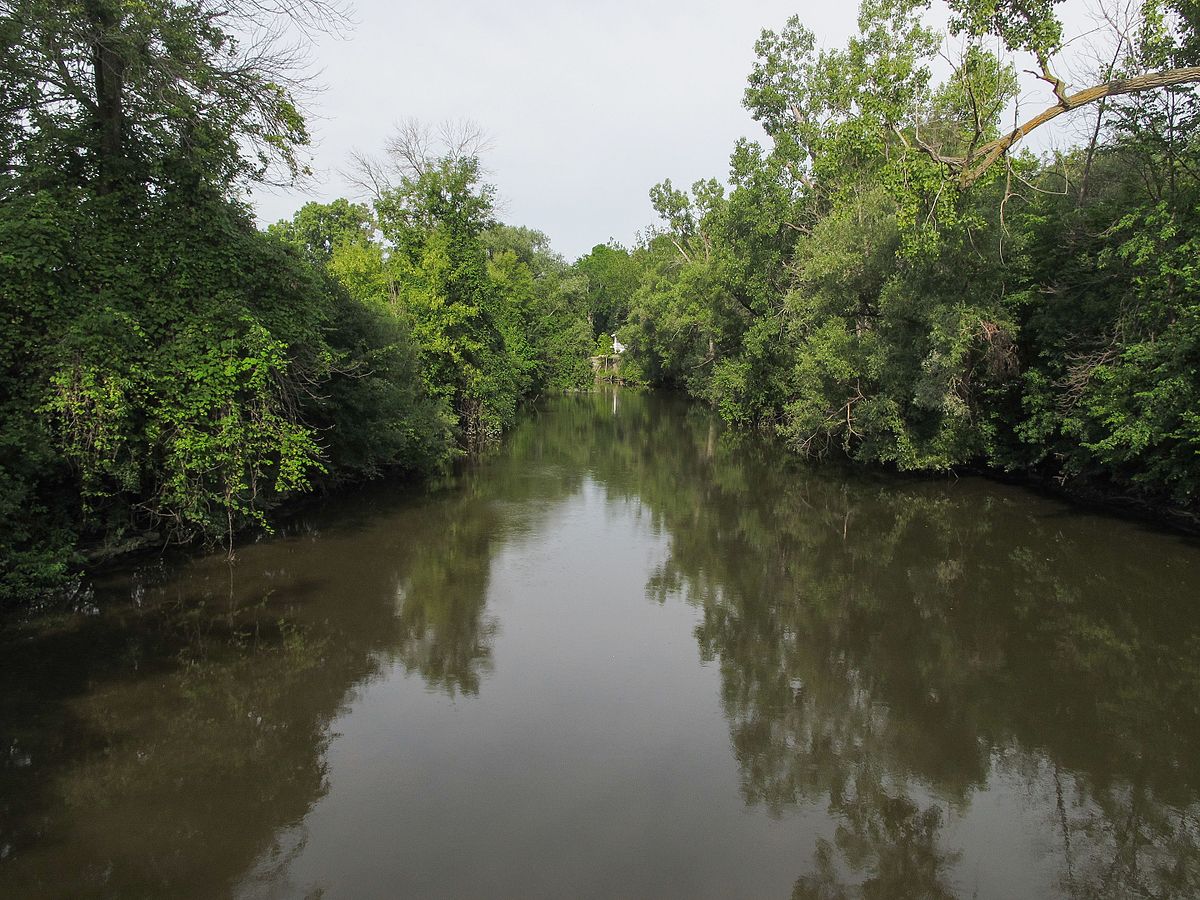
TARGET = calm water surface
x,y
628,655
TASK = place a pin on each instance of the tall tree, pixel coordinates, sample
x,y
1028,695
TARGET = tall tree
x,y
122,90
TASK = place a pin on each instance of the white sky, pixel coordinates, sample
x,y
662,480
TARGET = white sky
x,y
587,104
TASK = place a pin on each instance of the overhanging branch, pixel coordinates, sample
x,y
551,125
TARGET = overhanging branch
x,y
972,167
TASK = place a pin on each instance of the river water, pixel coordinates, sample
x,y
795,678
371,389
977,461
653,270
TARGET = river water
x,y
628,654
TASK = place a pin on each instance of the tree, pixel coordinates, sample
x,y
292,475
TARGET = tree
x,y
321,228
150,383
800,91
611,277
1034,29
858,290
488,304
121,90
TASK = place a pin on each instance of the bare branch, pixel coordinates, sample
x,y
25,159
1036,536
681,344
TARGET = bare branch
x,y
367,173
415,146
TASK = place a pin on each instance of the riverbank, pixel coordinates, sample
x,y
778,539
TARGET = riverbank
x,y
137,549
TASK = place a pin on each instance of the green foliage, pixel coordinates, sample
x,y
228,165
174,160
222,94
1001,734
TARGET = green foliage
x,y
323,229
610,276
489,309
850,296
170,372
483,315
376,415
125,90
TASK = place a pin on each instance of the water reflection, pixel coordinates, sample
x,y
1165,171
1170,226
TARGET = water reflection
x,y
929,689
894,651
160,739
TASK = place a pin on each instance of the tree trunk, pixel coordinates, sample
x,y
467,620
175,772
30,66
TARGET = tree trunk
x,y
108,66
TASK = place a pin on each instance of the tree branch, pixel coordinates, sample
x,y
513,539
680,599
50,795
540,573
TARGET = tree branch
x,y
976,164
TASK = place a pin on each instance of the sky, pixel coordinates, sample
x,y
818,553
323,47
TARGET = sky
x,y
586,104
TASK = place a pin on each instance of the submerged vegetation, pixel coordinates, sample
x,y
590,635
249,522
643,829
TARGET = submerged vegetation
x,y
891,278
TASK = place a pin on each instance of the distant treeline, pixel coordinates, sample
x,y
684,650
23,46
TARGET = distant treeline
x,y
892,280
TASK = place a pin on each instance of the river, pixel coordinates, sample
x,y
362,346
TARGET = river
x,y
630,653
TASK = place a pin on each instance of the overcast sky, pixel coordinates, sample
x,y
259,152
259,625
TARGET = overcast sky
x,y
587,104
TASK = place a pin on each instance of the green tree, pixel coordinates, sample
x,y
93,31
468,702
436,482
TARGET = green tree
x,y
170,372
611,276
892,280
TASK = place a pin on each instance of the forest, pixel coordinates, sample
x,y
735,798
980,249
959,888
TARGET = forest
x,y
171,373
891,276
895,279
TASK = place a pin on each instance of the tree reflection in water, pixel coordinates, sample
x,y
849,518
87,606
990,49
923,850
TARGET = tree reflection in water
x,y
890,648
177,724
896,654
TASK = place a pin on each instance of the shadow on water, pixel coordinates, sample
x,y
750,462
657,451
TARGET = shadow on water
x,y
901,656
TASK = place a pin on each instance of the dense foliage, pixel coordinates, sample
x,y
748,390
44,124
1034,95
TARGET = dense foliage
x,y
172,373
861,289
890,278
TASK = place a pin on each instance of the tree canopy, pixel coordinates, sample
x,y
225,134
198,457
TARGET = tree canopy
x,y
172,373
895,278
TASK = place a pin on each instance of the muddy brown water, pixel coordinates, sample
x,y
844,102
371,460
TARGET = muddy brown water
x,y
629,654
